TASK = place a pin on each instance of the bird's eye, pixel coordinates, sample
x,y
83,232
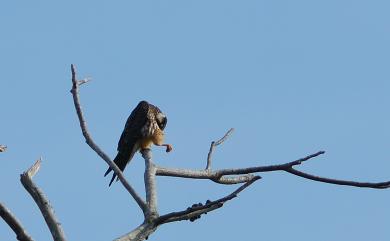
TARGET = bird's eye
x,y
162,123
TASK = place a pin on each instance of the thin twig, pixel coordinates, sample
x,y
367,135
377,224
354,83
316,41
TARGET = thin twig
x,y
377,185
83,81
42,202
76,99
14,224
197,211
214,144
220,141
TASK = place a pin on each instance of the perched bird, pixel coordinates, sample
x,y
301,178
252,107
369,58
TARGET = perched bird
x,y
144,127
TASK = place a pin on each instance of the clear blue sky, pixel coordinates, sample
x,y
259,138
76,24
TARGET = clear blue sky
x,y
293,78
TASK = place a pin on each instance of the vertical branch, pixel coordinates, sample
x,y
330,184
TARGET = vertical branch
x,y
14,224
214,144
150,185
208,166
42,202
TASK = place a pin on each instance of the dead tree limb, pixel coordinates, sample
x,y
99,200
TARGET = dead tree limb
x,y
219,175
194,212
42,202
14,224
88,139
152,219
150,185
149,208
377,185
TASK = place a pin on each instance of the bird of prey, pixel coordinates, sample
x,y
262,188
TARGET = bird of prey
x,y
144,127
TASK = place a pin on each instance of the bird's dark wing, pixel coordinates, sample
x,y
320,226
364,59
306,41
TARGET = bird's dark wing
x,y
131,134
132,131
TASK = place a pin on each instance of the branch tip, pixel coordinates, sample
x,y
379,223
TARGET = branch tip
x,y
42,202
3,148
33,169
228,133
306,158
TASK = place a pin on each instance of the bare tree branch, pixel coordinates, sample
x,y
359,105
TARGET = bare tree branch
x,y
142,232
196,211
83,124
228,180
3,148
219,175
42,202
149,207
377,185
11,220
214,144
222,176
14,224
191,213
150,185
280,167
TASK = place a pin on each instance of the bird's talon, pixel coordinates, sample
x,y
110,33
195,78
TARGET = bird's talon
x,y
169,148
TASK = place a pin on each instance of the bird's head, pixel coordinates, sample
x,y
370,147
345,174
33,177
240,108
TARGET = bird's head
x,y
161,120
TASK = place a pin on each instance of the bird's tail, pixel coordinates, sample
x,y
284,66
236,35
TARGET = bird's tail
x,y
121,161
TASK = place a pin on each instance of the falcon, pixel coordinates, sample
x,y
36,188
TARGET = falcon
x,y
144,127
